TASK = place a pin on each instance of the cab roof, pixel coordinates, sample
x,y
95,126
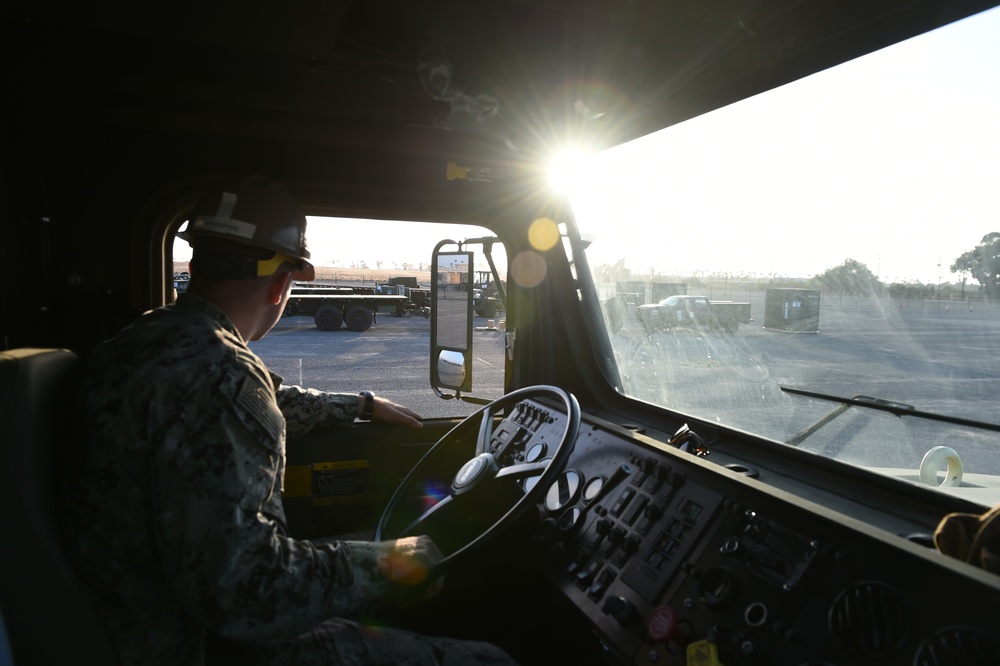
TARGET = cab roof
x,y
506,80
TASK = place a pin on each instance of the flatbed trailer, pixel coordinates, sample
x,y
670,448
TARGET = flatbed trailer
x,y
332,307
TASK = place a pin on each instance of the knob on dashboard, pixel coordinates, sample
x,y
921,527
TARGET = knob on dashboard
x,y
619,608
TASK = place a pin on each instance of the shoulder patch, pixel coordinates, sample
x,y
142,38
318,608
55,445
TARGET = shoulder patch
x,y
260,406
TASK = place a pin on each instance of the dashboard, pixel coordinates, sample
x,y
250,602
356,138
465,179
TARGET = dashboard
x,y
673,559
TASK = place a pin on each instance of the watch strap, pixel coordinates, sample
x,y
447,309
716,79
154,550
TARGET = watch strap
x,y
366,410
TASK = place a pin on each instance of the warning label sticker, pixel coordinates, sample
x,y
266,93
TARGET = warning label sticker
x,y
338,479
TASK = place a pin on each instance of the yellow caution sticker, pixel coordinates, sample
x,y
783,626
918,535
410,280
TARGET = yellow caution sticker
x,y
347,499
342,478
702,653
340,464
298,481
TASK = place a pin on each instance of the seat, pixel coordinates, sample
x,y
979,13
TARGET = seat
x,y
48,618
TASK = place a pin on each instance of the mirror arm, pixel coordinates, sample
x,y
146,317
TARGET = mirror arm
x,y
458,396
501,291
487,243
443,395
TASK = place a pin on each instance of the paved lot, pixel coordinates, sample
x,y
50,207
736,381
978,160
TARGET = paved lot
x,y
391,359
936,359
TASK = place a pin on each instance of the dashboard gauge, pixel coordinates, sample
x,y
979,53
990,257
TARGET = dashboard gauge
x,y
569,518
535,453
563,491
593,488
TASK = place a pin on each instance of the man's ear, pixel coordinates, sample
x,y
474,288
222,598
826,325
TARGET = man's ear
x,y
276,287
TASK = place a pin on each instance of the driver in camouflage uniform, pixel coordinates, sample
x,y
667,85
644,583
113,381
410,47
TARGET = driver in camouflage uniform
x,y
178,527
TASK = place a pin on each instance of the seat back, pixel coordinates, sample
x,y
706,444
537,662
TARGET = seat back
x,y
48,618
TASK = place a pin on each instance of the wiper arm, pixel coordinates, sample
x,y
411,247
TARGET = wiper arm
x,y
897,408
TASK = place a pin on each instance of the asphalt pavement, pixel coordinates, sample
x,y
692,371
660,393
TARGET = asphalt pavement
x,y
943,360
392,358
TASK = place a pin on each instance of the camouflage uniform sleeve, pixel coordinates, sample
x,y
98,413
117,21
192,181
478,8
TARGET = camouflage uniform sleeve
x,y
305,409
220,525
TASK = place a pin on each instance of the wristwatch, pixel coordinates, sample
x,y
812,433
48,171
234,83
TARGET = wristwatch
x,y
366,411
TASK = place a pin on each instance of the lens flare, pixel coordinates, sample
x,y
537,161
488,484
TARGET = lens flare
x,y
433,493
528,269
543,234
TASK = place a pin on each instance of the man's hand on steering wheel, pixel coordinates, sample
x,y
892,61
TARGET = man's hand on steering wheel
x,y
411,560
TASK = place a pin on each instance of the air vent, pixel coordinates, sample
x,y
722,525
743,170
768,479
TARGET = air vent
x,y
869,620
958,645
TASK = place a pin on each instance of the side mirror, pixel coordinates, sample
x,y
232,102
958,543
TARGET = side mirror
x,y
451,320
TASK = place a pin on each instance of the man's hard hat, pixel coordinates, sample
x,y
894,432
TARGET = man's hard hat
x,y
261,213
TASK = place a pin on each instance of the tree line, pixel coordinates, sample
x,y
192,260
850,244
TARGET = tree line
x,y
981,264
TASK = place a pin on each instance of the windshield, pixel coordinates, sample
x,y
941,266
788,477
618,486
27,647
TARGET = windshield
x,y
845,230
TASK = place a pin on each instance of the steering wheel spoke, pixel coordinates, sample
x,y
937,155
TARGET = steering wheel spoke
x,y
485,438
523,470
439,509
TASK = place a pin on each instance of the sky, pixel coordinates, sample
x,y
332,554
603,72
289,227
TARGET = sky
x,y
892,160
345,243
338,242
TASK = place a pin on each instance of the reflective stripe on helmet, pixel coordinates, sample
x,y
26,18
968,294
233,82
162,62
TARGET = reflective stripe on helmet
x,y
301,270
227,226
222,222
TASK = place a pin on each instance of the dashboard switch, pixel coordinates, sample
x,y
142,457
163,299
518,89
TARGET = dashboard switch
x,y
586,575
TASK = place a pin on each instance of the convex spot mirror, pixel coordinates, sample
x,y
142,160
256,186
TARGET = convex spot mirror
x,y
451,319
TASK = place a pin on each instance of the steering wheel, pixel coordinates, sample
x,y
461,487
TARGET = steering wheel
x,y
485,484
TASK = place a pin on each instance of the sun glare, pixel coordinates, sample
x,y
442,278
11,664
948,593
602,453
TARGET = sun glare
x,y
568,171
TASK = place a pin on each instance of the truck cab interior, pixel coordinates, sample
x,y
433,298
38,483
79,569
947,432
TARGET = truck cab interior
x,y
603,516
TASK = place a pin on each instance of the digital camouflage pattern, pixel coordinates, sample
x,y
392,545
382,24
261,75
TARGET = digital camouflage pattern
x,y
178,525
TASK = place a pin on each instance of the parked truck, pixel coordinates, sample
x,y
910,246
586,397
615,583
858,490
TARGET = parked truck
x,y
693,312
418,299
334,306
486,296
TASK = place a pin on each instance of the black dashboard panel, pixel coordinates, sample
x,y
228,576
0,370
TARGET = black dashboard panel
x,y
673,559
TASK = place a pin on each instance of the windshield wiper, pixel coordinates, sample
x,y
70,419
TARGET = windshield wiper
x,y
897,408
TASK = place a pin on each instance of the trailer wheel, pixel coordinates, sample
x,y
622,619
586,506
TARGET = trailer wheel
x,y
328,318
359,318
